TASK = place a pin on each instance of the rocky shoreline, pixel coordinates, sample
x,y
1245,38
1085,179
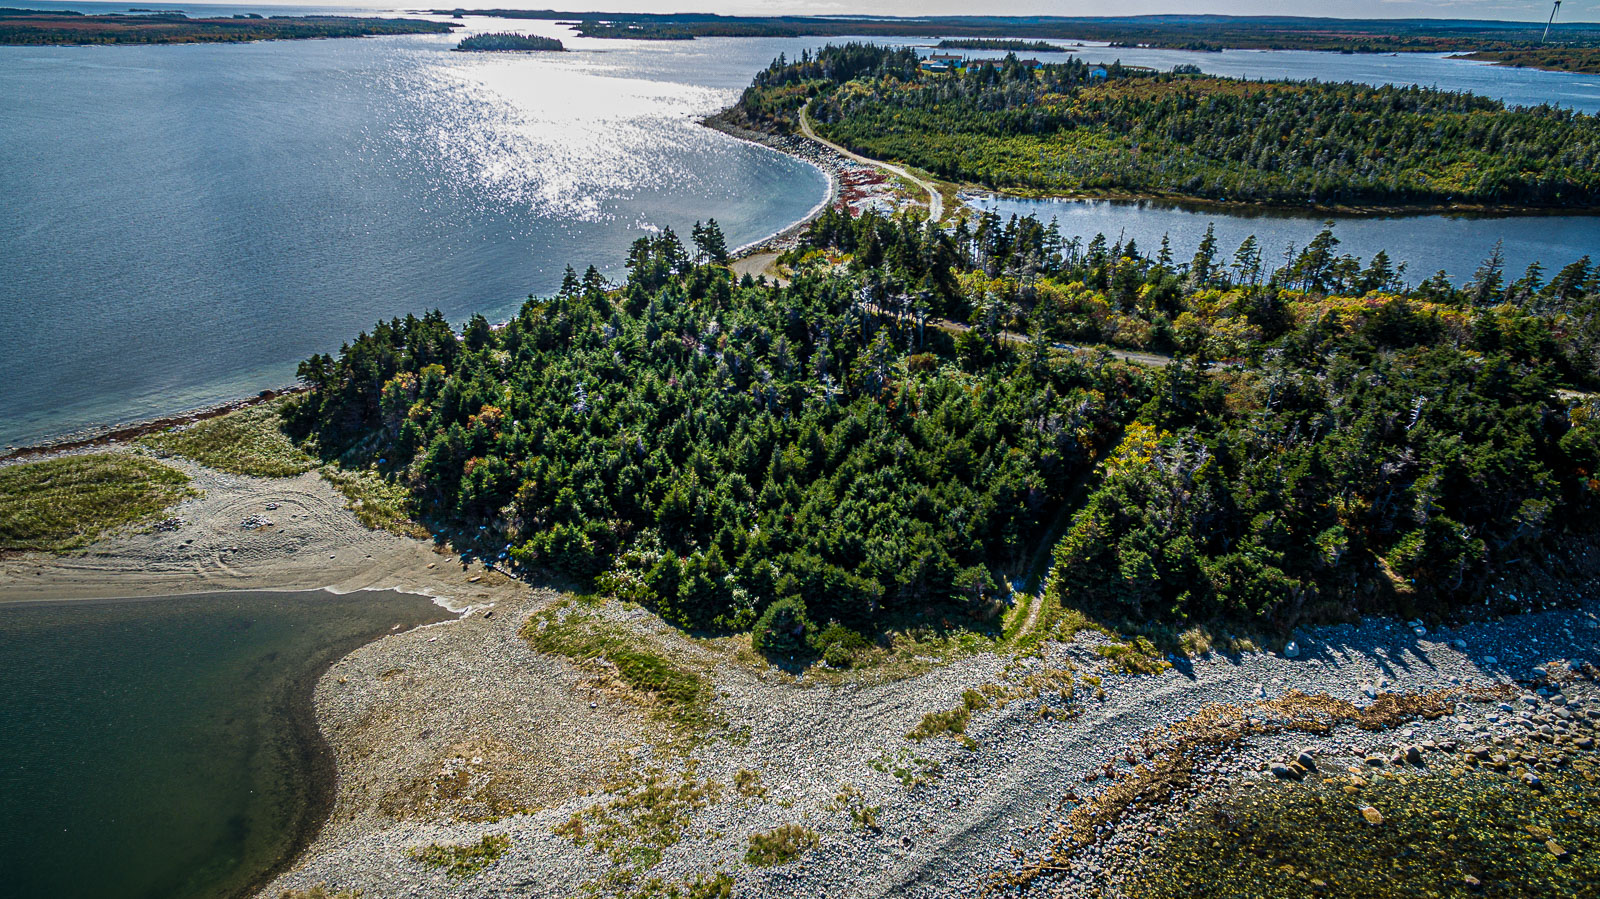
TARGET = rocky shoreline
x,y
849,182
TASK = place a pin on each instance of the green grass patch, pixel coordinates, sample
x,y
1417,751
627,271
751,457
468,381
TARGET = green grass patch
x,y
952,723
683,696
780,846
248,442
59,504
850,799
905,766
1137,656
464,860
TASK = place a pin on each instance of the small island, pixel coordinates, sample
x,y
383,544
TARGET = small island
x,y
507,40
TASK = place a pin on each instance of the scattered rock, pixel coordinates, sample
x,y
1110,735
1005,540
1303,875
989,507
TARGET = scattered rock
x,y
1287,772
1373,816
1554,848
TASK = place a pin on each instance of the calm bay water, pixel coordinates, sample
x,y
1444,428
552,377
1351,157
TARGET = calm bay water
x,y
183,224
1457,245
162,748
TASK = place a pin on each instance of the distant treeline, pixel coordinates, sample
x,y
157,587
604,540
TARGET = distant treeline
x,y
1170,31
1073,128
25,26
986,43
509,41
637,31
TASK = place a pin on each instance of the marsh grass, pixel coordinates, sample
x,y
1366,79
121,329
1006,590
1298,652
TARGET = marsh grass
x,y
466,859
252,442
60,504
247,442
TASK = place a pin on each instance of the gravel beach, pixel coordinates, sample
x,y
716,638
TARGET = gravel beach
x,y
946,820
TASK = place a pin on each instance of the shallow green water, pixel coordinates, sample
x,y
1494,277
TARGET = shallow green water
x,y
160,748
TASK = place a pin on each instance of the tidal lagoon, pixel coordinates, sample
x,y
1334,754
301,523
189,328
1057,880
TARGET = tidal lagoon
x,y
166,747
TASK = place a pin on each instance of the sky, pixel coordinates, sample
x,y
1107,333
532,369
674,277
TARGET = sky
x,y
1516,10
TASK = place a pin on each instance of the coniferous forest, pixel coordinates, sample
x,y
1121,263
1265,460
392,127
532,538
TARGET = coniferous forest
x,y
905,426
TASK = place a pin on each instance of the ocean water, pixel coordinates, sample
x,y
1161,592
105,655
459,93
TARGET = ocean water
x,y
162,748
184,224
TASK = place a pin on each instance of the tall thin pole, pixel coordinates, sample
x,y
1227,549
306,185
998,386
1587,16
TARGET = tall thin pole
x,y
1553,10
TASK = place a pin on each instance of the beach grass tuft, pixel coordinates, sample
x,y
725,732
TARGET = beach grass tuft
x,y
60,504
379,503
781,845
464,860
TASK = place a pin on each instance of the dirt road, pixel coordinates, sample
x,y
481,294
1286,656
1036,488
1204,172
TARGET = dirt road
x,y
935,199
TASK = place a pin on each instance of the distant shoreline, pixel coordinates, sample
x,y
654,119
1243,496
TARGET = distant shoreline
x,y
57,28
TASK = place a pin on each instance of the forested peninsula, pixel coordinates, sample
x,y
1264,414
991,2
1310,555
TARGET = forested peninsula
x,y
1582,60
1092,130
31,27
901,431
